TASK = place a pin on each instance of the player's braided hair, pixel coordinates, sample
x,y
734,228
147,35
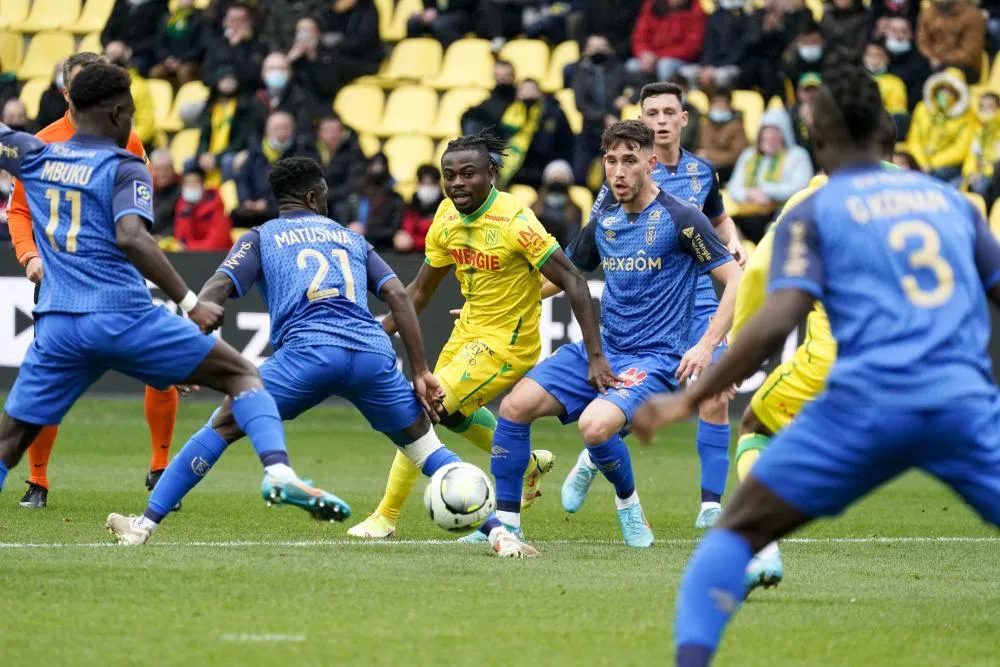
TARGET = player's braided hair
x,y
293,177
492,146
855,94
98,84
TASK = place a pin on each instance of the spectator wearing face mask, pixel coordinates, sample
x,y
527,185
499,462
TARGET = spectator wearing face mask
x,y
905,61
339,154
804,56
312,62
723,136
144,120
980,169
599,83
200,221
725,48
180,44
377,211
136,23
488,113
537,132
668,35
952,33
166,192
52,105
943,126
257,204
553,208
419,213
226,125
280,92
845,26
890,87
238,49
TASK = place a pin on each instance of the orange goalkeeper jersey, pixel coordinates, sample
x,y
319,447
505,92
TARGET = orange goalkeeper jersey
x,y
18,213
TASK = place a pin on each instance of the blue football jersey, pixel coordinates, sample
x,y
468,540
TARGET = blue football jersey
x,y
692,179
314,275
900,263
652,262
77,192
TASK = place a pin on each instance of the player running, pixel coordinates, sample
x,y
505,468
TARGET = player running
x,y
901,265
161,406
500,252
94,311
688,177
653,248
310,271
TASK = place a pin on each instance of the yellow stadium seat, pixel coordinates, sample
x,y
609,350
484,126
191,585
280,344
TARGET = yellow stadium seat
x,y
567,100
370,144
11,51
530,58
91,42
984,72
184,146
93,17
583,198
439,151
50,15
230,197
360,107
385,9
453,104
467,62
698,99
12,13
978,201
995,221
44,50
408,109
192,91
413,60
31,94
775,103
406,153
995,74
524,193
631,112
163,100
708,6
199,4
406,190
816,7
404,10
236,232
751,105
562,55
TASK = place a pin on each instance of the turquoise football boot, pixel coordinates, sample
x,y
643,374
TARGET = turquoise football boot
x,y
577,483
635,528
764,572
321,505
708,516
477,537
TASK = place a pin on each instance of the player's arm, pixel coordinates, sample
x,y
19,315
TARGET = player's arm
x,y
132,206
13,147
237,273
724,225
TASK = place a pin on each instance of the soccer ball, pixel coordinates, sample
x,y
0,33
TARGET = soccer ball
x,y
459,496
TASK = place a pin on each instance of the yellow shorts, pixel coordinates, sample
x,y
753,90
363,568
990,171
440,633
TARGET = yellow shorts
x,y
789,387
476,369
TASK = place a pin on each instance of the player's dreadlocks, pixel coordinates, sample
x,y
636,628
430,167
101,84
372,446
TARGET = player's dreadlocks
x,y
492,146
294,177
855,94
98,84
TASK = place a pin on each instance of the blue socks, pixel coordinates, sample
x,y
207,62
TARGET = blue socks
x,y
509,459
710,593
188,468
3,474
257,415
713,452
613,459
438,459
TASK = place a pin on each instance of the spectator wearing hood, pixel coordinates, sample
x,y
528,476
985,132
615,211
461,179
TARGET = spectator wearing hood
x,y
952,33
980,169
943,126
668,35
725,48
553,208
419,213
537,132
767,174
905,61
845,26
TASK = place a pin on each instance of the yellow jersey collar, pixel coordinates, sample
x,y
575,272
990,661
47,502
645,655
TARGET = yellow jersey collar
x,y
478,213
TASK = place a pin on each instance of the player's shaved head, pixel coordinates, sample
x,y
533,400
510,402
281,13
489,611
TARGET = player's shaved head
x,y
297,184
102,102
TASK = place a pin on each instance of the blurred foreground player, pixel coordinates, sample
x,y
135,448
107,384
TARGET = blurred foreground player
x,y
161,406
901,265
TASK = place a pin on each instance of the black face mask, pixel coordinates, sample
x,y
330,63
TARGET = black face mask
x,y
599,58
378,178
18,128
505,89
561,188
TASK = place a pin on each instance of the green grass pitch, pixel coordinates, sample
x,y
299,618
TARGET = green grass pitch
x,y
908,577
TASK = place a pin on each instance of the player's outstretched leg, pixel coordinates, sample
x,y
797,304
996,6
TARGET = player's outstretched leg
x,y
765,568
15,437
712,441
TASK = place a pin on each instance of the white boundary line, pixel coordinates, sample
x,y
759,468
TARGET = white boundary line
x,y
238,544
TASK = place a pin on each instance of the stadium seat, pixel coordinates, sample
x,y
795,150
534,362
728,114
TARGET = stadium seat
x,y
775,103
978,201
816,7
44,50
93,17
404,10
11,51
385,10
50,15
567,99
467,62
370,144
630,112
236,232
406,190
360,106
91,42
192,91
708,6
583,198
163,100
184,146
12,13
698,99
995,221
409,109
31,94
439,151
412,60
562,55
405,154
450,109
530,58
525,194
984,72
751,104
230,197
994,81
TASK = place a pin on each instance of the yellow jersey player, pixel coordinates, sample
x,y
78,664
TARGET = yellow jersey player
x,y
796,382
500,252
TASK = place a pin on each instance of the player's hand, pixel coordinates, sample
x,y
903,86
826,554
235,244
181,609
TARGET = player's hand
x,y
207,315
694,361
455,312
186,389
33,269
599,375
659,411
430,393
739,253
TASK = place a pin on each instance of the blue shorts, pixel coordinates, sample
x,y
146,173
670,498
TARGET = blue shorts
x,y
704,311
71,351
838,450
564,375
302,377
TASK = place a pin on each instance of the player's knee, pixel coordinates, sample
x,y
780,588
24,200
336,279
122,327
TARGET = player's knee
x,y
518,406
596,428
715,410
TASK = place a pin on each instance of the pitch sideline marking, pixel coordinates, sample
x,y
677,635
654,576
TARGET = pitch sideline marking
x,y
235,544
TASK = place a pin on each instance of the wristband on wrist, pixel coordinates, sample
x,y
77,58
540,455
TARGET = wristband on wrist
x,y
189,301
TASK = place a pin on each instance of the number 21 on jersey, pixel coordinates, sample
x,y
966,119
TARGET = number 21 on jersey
x,y
315,291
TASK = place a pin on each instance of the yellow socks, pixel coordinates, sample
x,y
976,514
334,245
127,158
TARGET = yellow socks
x,y
478,429
403,475
748,450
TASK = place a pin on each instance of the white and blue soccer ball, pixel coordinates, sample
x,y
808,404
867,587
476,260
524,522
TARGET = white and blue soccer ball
x,y
459,496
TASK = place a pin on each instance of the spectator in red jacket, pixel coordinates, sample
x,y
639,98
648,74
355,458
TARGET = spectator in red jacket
x,y
419,213
668,35
200,221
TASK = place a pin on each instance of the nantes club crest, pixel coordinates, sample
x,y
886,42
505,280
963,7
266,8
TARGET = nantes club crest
x,y
492,236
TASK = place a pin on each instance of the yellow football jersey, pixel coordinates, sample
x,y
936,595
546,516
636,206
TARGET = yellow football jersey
x,y
497,251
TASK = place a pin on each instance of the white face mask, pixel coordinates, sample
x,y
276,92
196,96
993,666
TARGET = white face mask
x,y
428,194
810,53
897,46
280,146
191,194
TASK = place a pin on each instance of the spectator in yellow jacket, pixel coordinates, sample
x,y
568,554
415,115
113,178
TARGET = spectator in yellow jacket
x,y
943,126
144,121
979,170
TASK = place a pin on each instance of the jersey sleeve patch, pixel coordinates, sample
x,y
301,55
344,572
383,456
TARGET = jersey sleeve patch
x,y
242,264
142,196
697,236
531,239
796,262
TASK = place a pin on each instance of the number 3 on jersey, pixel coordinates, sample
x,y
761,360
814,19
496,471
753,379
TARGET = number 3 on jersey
x,y
55,199
314,293
928,257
